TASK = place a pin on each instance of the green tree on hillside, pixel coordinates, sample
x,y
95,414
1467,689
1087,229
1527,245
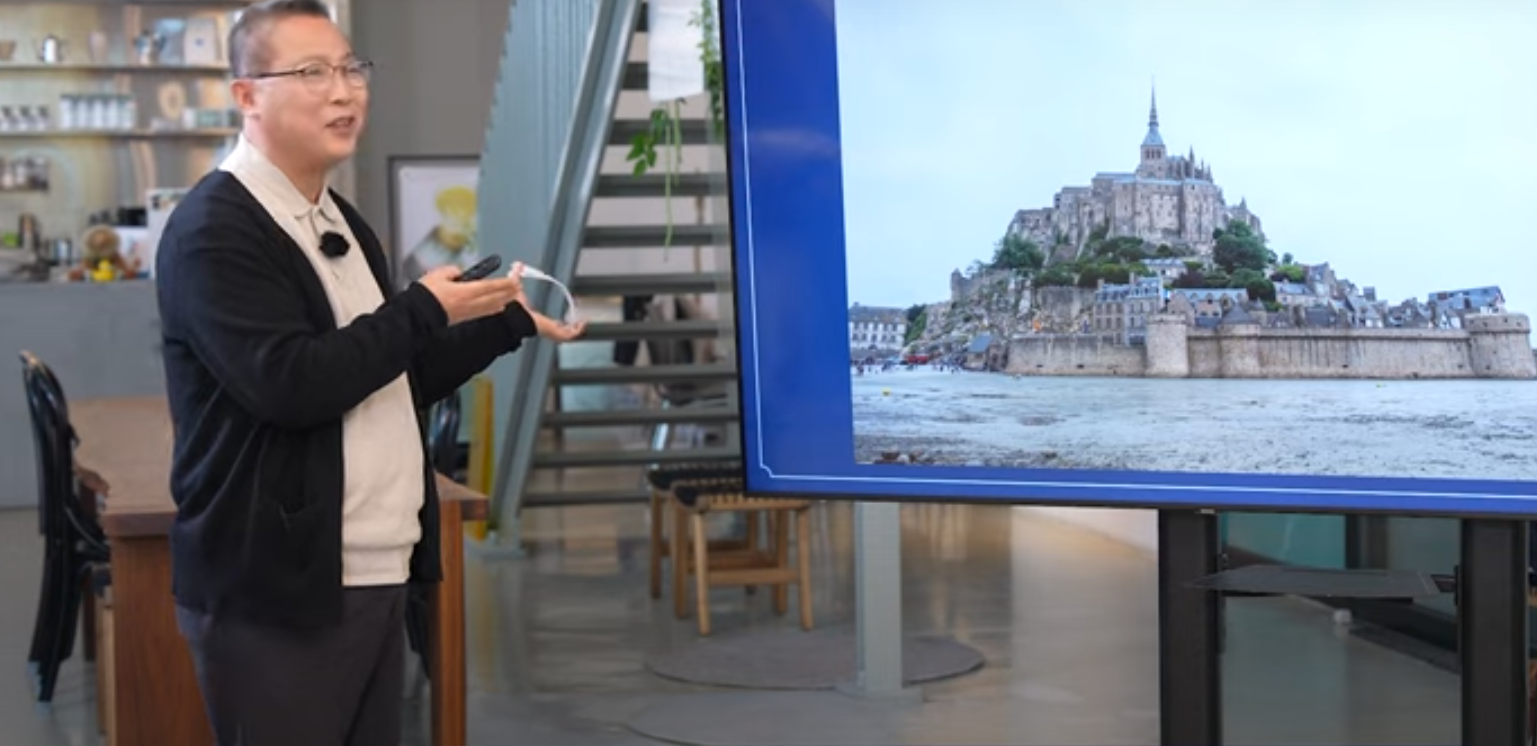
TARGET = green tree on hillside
x,y
1289,272
1057,275
1255,282
917,323
1122,249
1192,279
1239,247
1019,254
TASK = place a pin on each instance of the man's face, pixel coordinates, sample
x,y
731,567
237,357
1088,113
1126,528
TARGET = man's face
x,y
314,119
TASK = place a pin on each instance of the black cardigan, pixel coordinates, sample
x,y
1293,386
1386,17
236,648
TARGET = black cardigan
x,y
258,378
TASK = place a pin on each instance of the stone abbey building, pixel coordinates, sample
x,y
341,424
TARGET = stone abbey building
x,y
1168,199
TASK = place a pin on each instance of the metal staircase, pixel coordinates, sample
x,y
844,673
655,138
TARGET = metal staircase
x,y
584,217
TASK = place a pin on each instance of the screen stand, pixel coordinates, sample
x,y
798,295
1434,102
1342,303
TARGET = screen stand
x,y
878,602
1492,588
1189,630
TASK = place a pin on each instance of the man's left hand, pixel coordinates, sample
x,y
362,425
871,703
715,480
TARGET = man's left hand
x,y
557,331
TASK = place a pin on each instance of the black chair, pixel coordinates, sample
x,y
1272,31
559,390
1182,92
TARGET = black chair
x,y
35,374
418,619
443,438
75,548
444,452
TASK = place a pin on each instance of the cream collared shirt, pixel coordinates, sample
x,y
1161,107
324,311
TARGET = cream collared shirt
x,y
382,451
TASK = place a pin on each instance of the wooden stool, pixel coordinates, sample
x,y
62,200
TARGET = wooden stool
x,y
723,553
661,480
771,566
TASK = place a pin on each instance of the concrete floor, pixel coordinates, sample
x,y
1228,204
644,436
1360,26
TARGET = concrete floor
x,y
1067,621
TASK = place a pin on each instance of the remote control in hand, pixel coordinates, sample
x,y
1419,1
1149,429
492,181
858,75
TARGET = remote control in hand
x,y
481,270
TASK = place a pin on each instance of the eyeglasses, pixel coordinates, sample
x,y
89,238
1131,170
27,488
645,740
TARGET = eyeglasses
x,y
318,76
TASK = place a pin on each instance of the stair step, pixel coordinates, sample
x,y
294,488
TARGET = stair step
x,y
637,77
569,459
649,236
693,131
654,185
680,283
658,330
621,417
643,374
616,496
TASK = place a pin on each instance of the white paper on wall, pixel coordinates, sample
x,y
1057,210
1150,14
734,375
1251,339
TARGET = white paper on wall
x,y
159,204
673,55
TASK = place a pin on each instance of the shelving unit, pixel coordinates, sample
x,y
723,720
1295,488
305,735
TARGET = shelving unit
x,y
95,169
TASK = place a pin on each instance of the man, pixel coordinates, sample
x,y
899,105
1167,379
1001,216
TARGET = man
x,y
305,501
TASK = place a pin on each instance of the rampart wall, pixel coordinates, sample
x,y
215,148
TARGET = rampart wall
x,y
1491,346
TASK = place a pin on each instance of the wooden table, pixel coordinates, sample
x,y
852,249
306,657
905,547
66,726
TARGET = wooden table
x,y
155,699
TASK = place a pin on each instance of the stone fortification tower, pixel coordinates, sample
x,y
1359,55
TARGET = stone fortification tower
x,y
1500,345
1168,346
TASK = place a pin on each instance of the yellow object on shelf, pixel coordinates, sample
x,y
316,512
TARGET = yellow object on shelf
x,y
104,272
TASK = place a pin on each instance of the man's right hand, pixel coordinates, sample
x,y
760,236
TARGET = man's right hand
x,y
465,301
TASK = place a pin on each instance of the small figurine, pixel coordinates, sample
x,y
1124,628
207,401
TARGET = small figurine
x,y
105,271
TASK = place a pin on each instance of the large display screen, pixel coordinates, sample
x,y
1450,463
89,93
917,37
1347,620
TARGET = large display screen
x,y
1272,254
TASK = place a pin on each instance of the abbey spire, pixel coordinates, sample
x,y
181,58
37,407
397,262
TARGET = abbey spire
x,y
1152,145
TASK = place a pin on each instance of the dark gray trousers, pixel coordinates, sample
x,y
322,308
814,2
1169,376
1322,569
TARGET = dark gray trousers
x,y
334,686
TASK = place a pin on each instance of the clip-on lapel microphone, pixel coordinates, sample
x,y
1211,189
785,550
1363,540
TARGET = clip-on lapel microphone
x,y
333,245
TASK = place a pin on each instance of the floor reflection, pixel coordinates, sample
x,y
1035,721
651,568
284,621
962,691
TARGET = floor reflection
x,y
1067,621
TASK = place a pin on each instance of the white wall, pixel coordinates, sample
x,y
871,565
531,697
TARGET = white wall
x,y
436,65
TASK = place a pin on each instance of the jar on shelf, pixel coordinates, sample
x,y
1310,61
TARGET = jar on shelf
x,y
97,120
25,120
19,173
67,114
40,172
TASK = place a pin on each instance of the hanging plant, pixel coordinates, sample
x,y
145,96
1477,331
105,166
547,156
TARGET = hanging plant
x,y
714,71
665,130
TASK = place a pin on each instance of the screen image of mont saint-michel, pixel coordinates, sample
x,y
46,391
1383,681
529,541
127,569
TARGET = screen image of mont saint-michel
x,y
1245,238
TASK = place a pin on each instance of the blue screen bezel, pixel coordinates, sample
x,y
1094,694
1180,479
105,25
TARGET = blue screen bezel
x,y
783,156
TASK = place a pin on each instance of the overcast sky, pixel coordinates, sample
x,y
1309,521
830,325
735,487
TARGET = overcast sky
x,y
1396,139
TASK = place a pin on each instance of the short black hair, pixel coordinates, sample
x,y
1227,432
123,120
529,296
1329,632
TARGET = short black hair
x,y
248,52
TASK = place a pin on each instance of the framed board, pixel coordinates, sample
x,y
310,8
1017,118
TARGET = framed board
x,y
433,213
